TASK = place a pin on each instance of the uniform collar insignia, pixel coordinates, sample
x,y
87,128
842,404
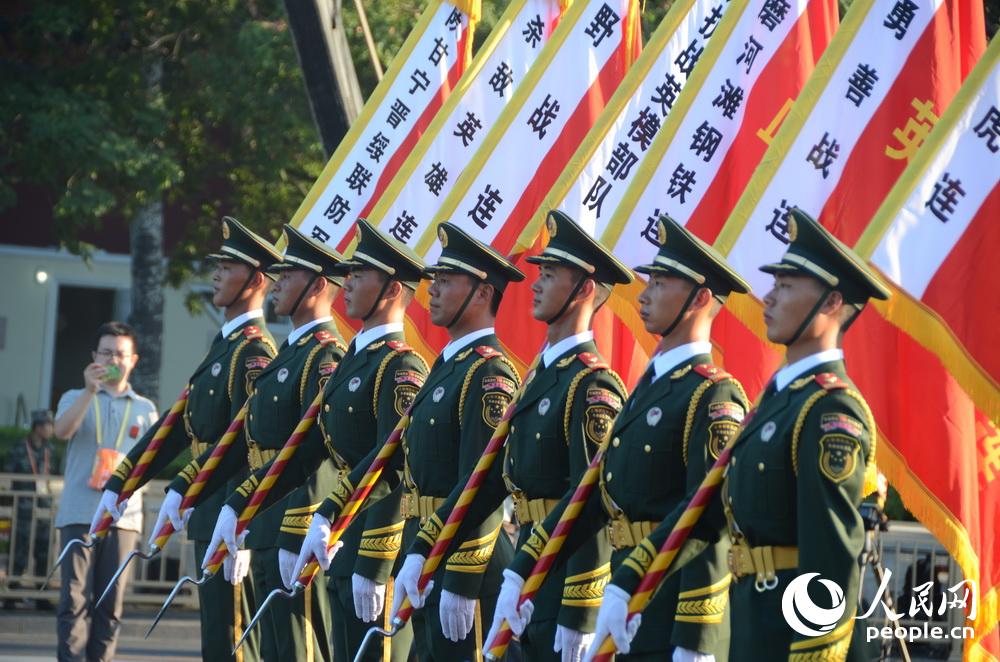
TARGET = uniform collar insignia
x,y
464,354
799,383
677,374
375,345
235,335
565,362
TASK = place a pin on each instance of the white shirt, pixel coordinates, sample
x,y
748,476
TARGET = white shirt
x,y
666,361
300,331
553,352
452,348
238,321
366,338
786,375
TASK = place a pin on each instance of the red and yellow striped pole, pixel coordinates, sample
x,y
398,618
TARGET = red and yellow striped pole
x,y
139,470
277,466
358,496
551,550
195,488
457,514
668,551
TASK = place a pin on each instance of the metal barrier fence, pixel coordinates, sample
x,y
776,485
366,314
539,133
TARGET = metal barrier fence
x,y
29,544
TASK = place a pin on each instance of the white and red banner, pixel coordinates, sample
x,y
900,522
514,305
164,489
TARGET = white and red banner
x,y
411,201
423,73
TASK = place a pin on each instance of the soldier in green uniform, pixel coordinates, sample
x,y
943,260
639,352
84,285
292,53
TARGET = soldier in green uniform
x,y
452,420
363,400
217,390
566,411
308,282
682,413
792,491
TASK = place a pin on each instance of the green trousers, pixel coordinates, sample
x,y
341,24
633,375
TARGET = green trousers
x,y
225,609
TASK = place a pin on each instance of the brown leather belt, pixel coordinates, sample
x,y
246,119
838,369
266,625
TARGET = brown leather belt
x,y
414,505
625,534
532,510
763,562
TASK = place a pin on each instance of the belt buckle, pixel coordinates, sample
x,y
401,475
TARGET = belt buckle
x,y
407,507
521,507
619,534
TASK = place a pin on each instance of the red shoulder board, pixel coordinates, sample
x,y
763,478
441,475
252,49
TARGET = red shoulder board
x,y
830,381
398,346
324,337
710,371
487,352
252,332
592,360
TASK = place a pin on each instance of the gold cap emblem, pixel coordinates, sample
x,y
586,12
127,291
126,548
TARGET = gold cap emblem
x,y
550,225
225,229
793,228
661,232
443,237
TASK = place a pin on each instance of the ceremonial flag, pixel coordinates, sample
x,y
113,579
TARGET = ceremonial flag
x,y
516,162
423,73
935,238
702,157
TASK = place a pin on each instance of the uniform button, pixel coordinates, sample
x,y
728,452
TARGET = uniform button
x,y
275,398
760,467
350,409
647,448
538,435
512,429
608,477
732,461
432,421
251,417
616,442
730,500
191,388
326,407
211,391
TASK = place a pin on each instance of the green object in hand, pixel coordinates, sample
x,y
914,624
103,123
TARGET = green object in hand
x,y
112,373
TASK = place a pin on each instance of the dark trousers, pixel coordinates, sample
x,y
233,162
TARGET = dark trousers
x,y
290,629
225,610
349,630
22,545
87,633
440,649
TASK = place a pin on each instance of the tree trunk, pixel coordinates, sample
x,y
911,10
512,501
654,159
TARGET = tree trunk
x,y
148,272
327,67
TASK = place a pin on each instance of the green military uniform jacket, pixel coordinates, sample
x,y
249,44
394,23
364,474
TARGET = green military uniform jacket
x,y
795,481
566,412
667,436
281,394
362,402
217,389
454,417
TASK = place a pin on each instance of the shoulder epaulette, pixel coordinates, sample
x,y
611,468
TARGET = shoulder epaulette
x,y
592,360
487,352
252,332
398,346
712,372
324,337
830,381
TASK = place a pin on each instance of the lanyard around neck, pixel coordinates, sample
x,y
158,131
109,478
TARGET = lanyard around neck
x,y
34,463
100,429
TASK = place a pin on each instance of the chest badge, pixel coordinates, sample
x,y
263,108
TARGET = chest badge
x,y
216,369
653,416
353,385
282,375
767,431
437,394
543,406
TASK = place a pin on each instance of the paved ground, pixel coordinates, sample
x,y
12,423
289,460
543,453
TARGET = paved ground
x,y
31,635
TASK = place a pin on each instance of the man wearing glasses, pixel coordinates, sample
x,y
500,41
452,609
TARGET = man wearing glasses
x,y
100,422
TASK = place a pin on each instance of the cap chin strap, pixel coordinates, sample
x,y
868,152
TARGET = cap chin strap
x,y
302,295
465,304
809,318
680,314
381,293
569,299
246,284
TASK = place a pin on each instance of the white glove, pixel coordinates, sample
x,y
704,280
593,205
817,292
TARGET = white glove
x,y
611,620
314,546
170,510
286,566
369,598
108,504
406,583
235,568
457,614
518,619
224,532
571,643
685,655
